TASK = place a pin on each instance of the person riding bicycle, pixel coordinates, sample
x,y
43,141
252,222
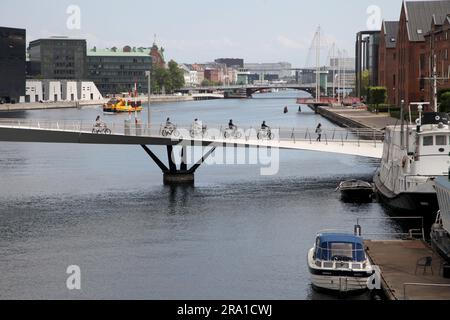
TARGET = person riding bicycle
x,y
197,127
99,123
169,125
265,127
231,125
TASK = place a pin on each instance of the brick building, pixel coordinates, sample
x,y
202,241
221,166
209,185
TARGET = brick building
x,y
213,75
157,56
415,23
437,53
387,65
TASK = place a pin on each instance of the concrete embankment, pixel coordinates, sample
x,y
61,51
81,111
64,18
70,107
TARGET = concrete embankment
x,y
72,104
356,118
403,275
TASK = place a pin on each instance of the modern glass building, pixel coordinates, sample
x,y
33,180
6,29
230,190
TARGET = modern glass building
x,y
117,70
59,58
12,64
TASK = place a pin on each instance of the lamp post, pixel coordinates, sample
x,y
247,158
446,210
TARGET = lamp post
x,y
148,74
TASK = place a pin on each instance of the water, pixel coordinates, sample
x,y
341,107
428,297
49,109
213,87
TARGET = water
x,y
235,235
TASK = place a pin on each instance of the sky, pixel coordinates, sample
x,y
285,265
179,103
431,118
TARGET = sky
x,y
204,30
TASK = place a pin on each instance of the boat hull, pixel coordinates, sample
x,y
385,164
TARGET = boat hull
x,y
338,280
357,195
424,204
339,284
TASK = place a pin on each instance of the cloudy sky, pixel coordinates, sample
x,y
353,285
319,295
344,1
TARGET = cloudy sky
x,y
203,30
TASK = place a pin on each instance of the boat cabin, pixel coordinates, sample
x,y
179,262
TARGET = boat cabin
x,y
345,249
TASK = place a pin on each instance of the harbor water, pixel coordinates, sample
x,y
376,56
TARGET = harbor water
x,y
234,235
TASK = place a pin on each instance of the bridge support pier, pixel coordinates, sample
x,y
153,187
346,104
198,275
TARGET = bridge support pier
x,y
172,175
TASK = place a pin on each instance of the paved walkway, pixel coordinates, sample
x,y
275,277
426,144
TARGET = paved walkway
x,y
397,261
366,118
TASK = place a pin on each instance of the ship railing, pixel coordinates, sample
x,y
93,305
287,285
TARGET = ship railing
x,y
212,132
417,232
435,286
349,265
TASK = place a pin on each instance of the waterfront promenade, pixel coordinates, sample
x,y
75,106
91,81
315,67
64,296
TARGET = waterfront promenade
x,y
357,118
398,259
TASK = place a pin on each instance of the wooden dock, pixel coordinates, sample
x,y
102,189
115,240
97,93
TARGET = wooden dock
x,y
397,261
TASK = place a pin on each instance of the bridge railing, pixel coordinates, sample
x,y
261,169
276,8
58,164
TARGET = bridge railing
x,y
212,132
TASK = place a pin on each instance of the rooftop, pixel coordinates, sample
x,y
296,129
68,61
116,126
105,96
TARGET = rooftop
x,y
419,15
116,52
390,32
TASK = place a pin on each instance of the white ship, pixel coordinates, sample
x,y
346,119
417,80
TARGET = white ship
x,y
413,157
440,232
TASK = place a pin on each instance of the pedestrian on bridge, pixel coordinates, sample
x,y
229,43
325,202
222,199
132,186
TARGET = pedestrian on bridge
x,y
319,132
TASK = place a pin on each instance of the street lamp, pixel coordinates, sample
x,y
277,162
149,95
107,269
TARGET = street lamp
x,y
148,74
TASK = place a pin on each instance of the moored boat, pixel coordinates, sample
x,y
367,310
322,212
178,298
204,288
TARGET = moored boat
x,y
338,263
413,157
440,231
120,105
356,190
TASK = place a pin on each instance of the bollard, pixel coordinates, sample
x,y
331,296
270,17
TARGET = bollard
x,y
358,230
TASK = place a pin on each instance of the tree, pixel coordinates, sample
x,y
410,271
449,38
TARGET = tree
x,y
376,96
167,80
206,83
160,79
365,83
176,76
444,100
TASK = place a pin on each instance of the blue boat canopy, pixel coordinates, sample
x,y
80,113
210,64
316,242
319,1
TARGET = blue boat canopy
x,y
340,246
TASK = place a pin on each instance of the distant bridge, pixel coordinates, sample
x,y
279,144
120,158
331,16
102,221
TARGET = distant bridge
x,y
252,89
357,142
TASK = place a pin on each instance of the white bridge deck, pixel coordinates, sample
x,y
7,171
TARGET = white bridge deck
x,y
357,142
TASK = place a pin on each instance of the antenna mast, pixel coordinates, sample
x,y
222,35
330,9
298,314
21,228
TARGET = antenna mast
x,y
318,65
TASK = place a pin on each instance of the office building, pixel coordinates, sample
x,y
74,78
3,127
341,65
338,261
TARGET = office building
x,y
115,71
12,64
59,58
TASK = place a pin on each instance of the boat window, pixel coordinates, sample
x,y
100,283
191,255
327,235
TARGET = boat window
x,y
441,140
428,141
342,251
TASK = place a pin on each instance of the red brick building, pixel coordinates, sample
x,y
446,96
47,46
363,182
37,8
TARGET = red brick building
x,y
157,56
213,75
414,24
387,65
437,53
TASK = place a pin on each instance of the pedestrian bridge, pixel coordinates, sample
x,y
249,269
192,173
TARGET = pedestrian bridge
x,y
356,142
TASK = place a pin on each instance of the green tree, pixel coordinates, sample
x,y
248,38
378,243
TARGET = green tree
x,y
365,83
376,96
160,79
444,102
176,76
206,83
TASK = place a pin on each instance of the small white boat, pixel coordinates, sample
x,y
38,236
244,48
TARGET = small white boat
x,y
338,263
